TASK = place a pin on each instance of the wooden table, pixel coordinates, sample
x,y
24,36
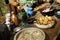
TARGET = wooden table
x,y
52,33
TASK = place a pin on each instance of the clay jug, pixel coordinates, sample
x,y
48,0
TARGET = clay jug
x,y
15,19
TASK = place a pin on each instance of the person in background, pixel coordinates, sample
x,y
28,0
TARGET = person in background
x,y
4,32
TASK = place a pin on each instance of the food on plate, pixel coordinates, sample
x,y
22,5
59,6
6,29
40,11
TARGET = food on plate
x,y
31,34
44,20
50,18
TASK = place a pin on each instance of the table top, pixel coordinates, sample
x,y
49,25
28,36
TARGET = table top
x,y
52,33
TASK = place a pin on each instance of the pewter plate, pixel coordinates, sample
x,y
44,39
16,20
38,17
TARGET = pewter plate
x,y
30,34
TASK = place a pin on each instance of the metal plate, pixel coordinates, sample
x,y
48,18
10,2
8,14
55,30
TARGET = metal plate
x,y
33,33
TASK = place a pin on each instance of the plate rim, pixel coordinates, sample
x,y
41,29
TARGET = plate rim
x,y
48,26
